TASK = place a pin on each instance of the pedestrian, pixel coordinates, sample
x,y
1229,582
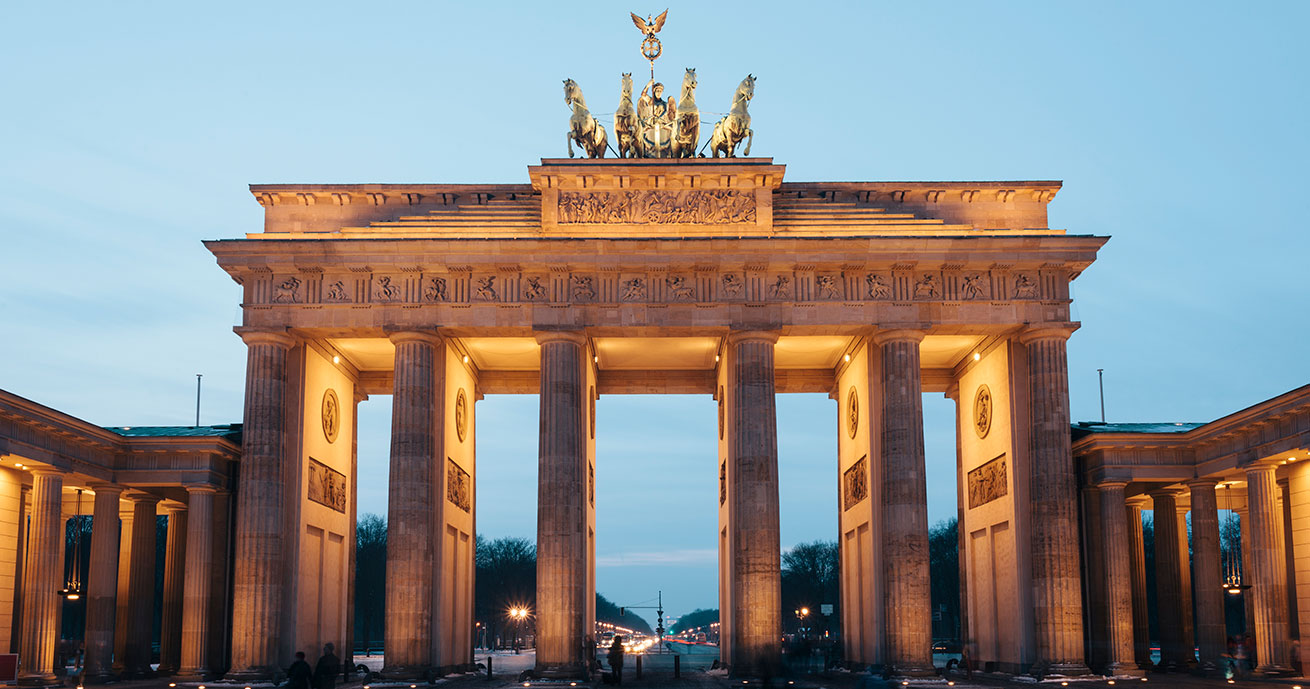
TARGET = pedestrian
x,y
327,668
299,673
616,659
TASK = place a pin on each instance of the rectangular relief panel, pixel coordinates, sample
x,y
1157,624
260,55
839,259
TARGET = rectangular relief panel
x,y
855,483
327,486
988,483
459,486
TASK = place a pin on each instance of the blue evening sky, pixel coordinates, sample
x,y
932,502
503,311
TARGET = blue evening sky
x,y
130,131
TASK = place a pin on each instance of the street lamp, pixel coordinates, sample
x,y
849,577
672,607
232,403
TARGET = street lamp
x,y
517,614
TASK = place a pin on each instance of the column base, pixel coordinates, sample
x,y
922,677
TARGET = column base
x,y
44,679
99,678
578,671
193,675
1273,671
405,671
1124,670
911,671
251,674
1062,670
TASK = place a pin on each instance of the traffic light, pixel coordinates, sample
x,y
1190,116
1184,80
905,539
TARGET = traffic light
x,y
621,611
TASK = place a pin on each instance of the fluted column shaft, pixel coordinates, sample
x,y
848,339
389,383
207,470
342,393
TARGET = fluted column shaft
x,y
1137,563
141,587
1168,575
1298,496
41,575
170,626
561,505
1268,592
195,604
257,578
1211,633
415,452
1053,499
904,490
755,541
102,585
1120,648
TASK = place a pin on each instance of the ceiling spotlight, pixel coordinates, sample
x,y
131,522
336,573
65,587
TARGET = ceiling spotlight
x,y
976,356
847,358
466,358
336,359
595,359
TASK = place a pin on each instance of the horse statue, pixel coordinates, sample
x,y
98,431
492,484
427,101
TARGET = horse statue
x,y
625,122
687,123
584,130
736,125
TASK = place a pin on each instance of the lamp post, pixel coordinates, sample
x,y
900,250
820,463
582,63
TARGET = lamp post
x,y
517,615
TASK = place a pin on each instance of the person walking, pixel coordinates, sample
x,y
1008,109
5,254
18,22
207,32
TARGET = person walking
x,y
616,659
299,673
327,668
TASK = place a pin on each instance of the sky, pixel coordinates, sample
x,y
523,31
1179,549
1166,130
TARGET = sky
x,y
130,131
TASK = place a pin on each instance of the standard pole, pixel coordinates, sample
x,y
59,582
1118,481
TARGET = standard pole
x,y
198,375
1100,380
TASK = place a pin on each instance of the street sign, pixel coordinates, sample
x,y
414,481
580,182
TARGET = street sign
x,y
825,608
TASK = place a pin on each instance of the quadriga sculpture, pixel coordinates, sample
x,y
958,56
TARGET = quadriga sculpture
x,y
736,125
584,130
625,122
688,119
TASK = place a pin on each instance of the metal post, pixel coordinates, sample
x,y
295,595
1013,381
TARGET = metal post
x,y
638,667
198,400
1100,379
677,666
488,667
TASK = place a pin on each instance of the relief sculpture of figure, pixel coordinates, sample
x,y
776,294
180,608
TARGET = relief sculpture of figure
x,y
735,127
655,118
688,119
584,130
625,121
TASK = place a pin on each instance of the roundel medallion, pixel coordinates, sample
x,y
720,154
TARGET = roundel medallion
x,y
982,411
852,412
720,412
461,415
331,415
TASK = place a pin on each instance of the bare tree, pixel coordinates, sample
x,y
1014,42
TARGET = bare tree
x,y
370,578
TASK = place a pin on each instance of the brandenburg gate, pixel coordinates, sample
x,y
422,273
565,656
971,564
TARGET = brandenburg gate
x,y
645,276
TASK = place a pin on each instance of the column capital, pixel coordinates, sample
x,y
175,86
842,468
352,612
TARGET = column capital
x,y
1259,468
107,488
1047,331
1163,492
44,471
139,497
175,507
898,335
1202,483
270,336
425,336
576,337
1112,483
737,336
193,488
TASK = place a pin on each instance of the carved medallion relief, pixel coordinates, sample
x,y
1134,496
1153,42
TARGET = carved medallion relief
x,y
982,411
988,483
331,415
852,412
461,414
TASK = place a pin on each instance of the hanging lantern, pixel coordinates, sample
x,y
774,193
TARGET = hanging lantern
x,y
73,582
1232,565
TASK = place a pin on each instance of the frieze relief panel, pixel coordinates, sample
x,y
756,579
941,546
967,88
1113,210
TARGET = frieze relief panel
x,y
654,207
988,483
855,483
327,486
685,285
459,486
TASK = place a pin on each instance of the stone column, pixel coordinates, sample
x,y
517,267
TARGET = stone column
x,y
1137,561
561,505
41,581
756,575
1298,497
141,587
170,625
257,577
415,454
904,489
1211,634
102,584
1244,527
1268,591
199,560
1168,578
1056,574
123,601
1120,649
1185,581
